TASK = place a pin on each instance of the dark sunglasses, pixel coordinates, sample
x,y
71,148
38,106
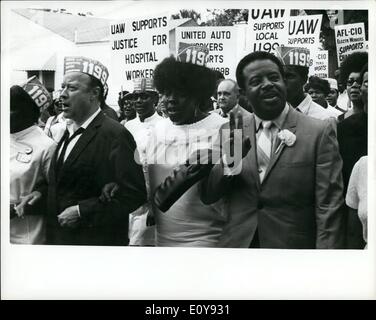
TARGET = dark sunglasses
x,y
351,81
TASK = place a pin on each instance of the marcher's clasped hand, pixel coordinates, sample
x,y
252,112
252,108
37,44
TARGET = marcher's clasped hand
x,y
69,217
109,191
29,199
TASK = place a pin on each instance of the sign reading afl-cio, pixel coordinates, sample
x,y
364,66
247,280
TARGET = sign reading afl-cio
x,y
349,38
138,45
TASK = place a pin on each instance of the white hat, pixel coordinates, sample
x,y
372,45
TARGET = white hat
x,y
333,83
85,65
291,56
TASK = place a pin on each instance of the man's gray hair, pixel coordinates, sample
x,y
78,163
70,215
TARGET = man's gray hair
x,y
236,86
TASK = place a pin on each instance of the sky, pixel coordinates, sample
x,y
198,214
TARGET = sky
x,y
119,9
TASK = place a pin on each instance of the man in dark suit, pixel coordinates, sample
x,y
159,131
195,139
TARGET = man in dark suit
x,y
94,151
228,98
287,190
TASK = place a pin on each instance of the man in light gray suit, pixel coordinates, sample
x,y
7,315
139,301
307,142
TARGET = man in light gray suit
x,y
288,192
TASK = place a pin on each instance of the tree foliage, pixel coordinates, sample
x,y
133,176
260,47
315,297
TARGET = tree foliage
x,y
226,17
184,13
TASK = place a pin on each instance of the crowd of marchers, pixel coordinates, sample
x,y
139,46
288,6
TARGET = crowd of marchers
x,y
82,175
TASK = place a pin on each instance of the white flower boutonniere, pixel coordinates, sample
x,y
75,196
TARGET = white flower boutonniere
x,y
287,138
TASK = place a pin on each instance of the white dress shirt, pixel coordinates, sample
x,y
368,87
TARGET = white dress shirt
x,y
140,234
314,110
55,127
71,130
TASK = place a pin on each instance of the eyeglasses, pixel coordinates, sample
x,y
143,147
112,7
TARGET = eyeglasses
x,y
351,81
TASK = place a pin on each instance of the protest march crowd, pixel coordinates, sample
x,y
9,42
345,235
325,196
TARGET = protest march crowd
x,y
274,158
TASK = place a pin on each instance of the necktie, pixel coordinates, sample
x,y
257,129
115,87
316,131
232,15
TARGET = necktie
x,y
66,142
264,148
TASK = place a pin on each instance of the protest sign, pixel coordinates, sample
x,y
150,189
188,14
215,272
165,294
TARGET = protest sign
x,y
267,34
137,45
304,32
267,14
266,28
320,66
220,41
349,38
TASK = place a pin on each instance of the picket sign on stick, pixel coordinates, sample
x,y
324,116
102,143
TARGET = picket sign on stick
x,y
320,66
349,38
268,31
137,45
220,41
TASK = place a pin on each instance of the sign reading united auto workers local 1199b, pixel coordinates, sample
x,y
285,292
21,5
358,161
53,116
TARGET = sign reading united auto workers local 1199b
x,y
137,46
349,38
221,43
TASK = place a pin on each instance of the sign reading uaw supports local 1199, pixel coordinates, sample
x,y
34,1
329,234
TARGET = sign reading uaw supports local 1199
x,y
349,38
273,28
221,43
137,46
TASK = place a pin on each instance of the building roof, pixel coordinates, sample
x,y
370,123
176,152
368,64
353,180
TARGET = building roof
x,y
174,23
80,29
74,28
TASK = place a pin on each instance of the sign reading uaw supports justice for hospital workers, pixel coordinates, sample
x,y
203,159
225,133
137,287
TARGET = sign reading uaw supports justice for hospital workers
x,y
137,46
221,43
274,28
349,38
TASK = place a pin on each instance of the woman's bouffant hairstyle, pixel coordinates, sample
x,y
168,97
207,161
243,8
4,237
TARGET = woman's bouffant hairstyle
x,y
185,79
353,63
319,84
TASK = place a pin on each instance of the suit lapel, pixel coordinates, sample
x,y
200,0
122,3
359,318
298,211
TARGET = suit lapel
x,y
83,141
289,124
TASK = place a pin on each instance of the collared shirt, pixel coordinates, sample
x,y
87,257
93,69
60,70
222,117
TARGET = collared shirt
x,y
140,234
223,114
335,112
55,127
278,122
71,130
312,109
142,131
343,100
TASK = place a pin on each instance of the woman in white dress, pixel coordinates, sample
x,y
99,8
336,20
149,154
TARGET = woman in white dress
x,y
30,155
186,87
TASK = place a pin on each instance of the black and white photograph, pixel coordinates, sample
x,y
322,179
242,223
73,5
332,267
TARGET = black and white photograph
x,y
187,150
